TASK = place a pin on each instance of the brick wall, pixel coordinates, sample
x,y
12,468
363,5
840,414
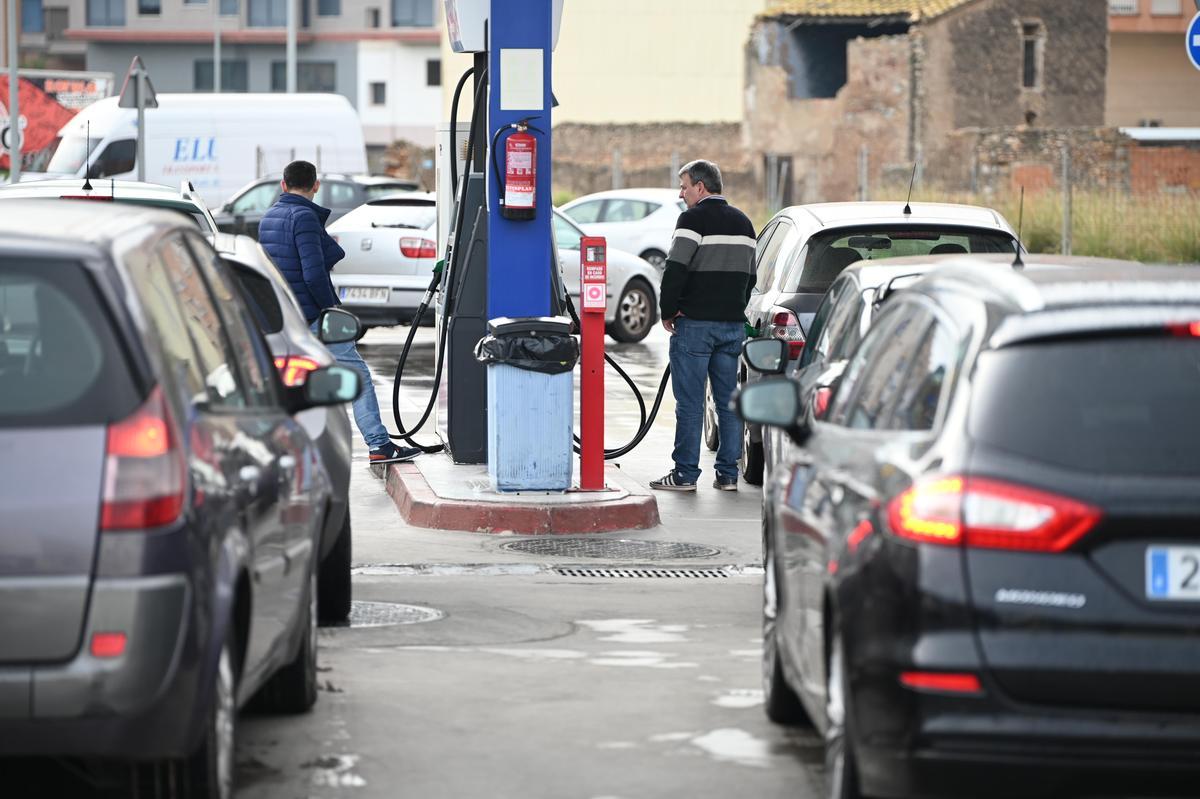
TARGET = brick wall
x,y
1164,169
583,155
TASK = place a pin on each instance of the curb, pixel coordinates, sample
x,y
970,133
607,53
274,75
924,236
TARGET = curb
x,y
420,505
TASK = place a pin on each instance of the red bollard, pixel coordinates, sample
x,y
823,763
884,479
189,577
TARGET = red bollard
x,y
593,292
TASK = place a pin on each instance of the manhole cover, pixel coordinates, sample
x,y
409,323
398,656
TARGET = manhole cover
x,y
613,549
384,614
631,572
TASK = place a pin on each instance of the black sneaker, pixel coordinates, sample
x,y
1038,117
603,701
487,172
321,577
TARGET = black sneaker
x,y
671,482
390,453
725,484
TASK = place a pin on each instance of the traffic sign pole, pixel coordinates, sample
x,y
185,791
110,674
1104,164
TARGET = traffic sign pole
x,y
14,102
141,137
593,292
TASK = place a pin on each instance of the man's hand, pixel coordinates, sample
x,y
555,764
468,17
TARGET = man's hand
x,y
669,324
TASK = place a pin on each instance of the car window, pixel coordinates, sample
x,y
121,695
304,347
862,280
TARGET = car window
x,y
118,158
818,331
880,384
416,216
1108,405
377,190
566,235
221,385
682,205
260,297
627,210
257,199
60,360
337,194
766,249
843,396
585,213
926,384
789,243
847,328
249,350
832,251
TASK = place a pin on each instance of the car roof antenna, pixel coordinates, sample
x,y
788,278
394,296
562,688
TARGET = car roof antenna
x,y
1017,262
87,152
908,208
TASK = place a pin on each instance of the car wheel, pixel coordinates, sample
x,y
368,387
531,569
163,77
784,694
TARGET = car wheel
x,y
635,312
781,703
333,581
751,462
712,434
210,770
656,258
841,772
293,689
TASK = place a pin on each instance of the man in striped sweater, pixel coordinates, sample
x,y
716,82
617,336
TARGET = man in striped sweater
x,y
702,300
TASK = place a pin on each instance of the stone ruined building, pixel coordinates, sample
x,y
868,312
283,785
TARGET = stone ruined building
x,y
971,90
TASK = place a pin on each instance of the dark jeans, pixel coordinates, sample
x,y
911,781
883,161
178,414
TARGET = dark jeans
x,y
705,350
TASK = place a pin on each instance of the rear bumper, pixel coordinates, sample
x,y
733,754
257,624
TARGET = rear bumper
x,y
141,703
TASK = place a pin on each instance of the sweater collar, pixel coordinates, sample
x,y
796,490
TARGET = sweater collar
x,y
295,199
717,198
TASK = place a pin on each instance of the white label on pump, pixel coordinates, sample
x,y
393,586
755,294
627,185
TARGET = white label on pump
x,y
521,80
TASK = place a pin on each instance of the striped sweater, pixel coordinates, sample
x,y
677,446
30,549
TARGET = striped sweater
x,y
710,269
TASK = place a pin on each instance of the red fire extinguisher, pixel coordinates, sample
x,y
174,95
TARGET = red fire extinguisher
x,y
518,190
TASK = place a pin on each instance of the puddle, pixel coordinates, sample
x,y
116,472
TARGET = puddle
x,y
636,631
740,698
735,746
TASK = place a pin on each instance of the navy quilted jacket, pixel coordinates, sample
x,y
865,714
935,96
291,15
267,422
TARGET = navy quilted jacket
x,y
293,234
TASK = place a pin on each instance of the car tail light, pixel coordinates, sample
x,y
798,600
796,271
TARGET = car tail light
x,y
941,682
1185,329
294,369
821,399
786,326
990,514
99,197
412,247
108,645
143,469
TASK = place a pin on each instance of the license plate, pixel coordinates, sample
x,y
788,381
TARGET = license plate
x,y
361,294
1173,573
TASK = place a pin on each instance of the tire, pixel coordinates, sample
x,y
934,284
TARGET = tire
x,y
333,579
293,689
712,434
656,258
210,769
780,701
635,313
751,462
841,771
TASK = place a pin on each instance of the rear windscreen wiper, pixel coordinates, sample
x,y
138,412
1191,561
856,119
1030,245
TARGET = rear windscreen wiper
x,y
398,224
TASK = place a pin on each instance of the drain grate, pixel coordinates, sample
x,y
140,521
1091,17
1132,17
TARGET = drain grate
x,y
566,571
610,548
386,614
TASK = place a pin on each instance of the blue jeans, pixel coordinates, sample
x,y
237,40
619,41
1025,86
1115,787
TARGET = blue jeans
x,y
366,407
701,349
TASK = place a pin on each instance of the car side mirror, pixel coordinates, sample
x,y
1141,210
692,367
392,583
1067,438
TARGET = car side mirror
x,y
775,402
766,355
226,208
239,223
335,326
330,385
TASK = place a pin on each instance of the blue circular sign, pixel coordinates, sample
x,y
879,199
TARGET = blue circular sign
x,y
1193,41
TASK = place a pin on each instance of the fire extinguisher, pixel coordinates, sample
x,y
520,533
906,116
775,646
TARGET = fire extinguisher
x,y
518,187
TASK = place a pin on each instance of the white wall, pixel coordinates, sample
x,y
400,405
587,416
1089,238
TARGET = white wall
x,y
412,108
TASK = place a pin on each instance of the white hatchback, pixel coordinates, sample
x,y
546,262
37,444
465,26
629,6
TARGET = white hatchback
x,y
639,221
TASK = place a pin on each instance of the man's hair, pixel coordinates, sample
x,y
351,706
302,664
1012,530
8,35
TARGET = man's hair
x,y
303,175
705,172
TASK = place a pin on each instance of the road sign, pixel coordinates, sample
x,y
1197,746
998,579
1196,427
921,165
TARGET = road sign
x,y
6,135
1193,41
131,89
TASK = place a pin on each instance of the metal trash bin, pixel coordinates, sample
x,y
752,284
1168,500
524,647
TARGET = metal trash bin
x,y
530,384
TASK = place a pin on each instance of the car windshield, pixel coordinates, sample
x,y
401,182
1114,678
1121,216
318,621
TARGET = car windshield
x,y
377,190
416,216
69,152
816,266
1109,405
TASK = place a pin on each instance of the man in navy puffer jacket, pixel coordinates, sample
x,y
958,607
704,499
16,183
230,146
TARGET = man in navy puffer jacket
x,y
293,234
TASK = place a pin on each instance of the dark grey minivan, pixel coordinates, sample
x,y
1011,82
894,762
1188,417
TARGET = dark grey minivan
x,y
159,504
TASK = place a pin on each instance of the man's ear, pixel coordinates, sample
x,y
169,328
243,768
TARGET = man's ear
x,y
283,186
316,186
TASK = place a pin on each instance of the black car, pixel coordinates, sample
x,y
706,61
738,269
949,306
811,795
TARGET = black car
x,y
161,506
339,193
982,564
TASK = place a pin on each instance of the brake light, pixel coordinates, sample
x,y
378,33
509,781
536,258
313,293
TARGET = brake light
x,y
143,469
108,645
941,682
99,197
412,247
989,514
1185,329
294,369
784,325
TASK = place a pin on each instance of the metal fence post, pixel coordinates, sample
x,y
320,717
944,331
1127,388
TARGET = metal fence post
x,y
675,167
863,161
1066,200
618,180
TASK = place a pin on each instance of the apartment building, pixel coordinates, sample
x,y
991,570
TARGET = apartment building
x,y
383,55
1151,83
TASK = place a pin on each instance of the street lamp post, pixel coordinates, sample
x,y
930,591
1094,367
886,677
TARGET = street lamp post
x,y
291,46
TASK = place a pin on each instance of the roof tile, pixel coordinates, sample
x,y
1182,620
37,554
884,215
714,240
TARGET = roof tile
x,y
914,9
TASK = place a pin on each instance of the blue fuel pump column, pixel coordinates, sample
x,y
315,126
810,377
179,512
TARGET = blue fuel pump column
x,y
530,413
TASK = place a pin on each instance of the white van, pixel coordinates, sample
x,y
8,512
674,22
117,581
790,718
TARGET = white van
x,y
219,142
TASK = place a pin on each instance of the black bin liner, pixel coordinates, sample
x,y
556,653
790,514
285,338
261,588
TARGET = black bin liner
x,y
536,344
